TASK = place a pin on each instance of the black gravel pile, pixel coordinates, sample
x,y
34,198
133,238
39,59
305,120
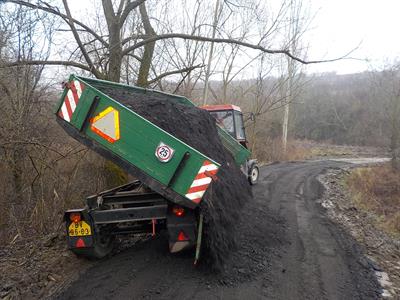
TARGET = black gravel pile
x,y
225,197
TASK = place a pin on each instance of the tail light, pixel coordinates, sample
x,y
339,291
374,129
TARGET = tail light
x,y
182,236
75,217
178,211
80,243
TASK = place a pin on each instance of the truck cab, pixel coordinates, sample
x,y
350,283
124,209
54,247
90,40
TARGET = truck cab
x,y
230,118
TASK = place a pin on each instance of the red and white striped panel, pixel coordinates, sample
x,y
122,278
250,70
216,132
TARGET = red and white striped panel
x,y
75,89
202,181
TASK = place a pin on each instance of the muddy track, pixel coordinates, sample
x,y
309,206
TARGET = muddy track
x,y
288,249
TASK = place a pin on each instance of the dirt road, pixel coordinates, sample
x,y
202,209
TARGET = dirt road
x,y
288,249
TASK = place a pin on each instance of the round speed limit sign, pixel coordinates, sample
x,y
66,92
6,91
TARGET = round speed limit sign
x,y
164,152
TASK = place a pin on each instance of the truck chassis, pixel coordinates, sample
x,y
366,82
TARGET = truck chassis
x,y
128,209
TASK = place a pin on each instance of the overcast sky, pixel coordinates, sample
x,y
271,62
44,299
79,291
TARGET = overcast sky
x,y
340,25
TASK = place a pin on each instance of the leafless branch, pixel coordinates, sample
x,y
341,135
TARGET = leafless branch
x,y
230,41
45,62
128,8
56,12
184,70
79,42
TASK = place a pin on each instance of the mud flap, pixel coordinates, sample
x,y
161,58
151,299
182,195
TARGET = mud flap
x,y
181,230
199,238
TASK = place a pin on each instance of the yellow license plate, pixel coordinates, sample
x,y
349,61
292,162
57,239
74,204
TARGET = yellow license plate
x,y
79,229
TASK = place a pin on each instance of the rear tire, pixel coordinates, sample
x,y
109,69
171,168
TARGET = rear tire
x,y
253,174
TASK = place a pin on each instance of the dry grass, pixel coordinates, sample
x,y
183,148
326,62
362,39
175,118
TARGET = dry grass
x,y
328,150
271,150
377,190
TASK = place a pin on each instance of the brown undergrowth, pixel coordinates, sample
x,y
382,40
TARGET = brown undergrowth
x,y
377,190
272,150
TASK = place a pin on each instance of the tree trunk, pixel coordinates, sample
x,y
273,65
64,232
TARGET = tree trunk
x,y
17,169
115,63
207,77
148,49
115,45
285,123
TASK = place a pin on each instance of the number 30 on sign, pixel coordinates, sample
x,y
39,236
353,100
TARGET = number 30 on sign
x,y
164,152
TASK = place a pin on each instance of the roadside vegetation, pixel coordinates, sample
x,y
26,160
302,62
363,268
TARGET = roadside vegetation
x,y
302,149
376,190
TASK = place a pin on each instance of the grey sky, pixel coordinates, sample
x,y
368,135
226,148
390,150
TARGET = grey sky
x,y
341,25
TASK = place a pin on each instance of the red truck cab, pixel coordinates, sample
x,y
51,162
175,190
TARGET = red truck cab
x,y
229,117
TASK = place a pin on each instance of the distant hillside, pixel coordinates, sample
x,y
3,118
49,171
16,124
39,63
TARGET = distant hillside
x,y
344,109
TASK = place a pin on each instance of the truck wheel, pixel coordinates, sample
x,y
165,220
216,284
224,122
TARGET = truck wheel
x,y
253,175
102,246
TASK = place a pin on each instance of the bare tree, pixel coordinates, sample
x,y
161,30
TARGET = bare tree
x,y
295,29
387,85
20,85
21,100
103,54
39,165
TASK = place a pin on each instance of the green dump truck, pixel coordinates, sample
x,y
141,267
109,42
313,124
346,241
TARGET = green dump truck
x,y
171,177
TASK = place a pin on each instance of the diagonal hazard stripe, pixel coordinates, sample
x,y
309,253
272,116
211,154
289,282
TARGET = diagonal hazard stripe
x,y
198,188
75,89
195,195
64,112
204,175
68,106
201,182
72,101
208,167
74,94
79,88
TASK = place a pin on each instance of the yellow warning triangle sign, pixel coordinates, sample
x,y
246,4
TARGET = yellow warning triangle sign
x,y
106,124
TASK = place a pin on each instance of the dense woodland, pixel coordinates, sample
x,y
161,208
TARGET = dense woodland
x,y
344,109
350,109
259,65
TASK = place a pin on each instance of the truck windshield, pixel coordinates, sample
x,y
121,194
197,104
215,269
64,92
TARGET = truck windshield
x,y
225,119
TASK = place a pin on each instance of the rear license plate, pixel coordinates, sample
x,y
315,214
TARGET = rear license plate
x,y
79,229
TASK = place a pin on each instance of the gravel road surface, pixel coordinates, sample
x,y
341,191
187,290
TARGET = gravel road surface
x,y
288,249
